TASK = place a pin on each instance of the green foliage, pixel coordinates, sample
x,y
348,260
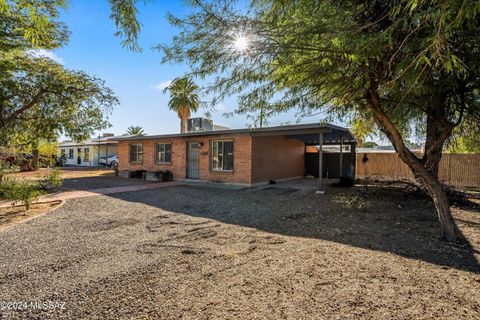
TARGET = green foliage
x,y
124,14
31,24
465,139
419,57
39,98
54,179
37,25
362,129
135,131
50,100
20,190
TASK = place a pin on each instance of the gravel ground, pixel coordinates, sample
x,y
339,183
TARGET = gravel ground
x,y
198,253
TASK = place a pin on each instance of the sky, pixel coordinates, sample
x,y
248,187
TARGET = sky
x,y
136,78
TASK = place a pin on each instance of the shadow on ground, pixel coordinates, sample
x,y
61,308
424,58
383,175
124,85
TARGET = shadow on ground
x,y
380,219
97,182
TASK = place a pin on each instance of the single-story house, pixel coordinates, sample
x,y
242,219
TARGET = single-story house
x,y
239,156
89,152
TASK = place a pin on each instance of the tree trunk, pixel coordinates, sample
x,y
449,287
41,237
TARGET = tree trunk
x,y
421,173
440,201
35,158
438,131
182,125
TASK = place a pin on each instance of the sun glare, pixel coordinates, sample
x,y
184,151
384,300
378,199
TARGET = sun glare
x,y
241,43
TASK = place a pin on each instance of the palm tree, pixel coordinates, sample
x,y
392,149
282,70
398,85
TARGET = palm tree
x,y
135,131
183,99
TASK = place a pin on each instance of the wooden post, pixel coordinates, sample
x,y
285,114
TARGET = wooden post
x,y
341,156
98,153
320,159
353,155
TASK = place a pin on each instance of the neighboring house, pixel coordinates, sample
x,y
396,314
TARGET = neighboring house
x,y
238,156
88,153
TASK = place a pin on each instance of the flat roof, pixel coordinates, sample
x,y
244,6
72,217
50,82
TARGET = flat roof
x,y
92,141
305,132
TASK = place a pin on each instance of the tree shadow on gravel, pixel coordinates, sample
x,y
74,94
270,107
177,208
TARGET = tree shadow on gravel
x,y
376,218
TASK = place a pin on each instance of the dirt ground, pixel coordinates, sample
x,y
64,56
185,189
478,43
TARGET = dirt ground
x,y
18,213
196,252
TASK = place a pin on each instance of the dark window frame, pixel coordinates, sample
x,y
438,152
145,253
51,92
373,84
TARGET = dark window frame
x,y
137,153
167,154
224,159
86,154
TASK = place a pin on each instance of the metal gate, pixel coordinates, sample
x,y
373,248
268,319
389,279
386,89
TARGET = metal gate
x,y
193,159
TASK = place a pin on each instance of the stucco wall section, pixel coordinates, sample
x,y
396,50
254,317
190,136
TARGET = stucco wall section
x,y
276,157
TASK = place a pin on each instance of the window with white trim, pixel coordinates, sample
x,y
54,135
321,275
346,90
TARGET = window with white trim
x,y
62,152
70,153
221,156
136,153
163,152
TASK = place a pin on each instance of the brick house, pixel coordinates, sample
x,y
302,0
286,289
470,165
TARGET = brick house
x,y
237,156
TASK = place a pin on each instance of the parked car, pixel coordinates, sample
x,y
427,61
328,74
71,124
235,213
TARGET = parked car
x,y
110,161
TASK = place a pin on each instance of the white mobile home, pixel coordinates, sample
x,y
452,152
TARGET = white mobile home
x,y
89,152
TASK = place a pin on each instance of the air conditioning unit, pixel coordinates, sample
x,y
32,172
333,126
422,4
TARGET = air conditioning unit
x,y
199,125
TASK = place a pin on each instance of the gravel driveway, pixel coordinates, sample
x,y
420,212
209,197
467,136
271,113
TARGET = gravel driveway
x,y
195,252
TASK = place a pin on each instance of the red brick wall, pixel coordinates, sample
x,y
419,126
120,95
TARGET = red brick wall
x,y
277,157
242,152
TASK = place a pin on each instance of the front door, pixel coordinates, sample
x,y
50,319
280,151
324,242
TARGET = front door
x,y
193,160
79,155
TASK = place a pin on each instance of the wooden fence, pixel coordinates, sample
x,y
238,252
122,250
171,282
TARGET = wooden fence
x,y
458,170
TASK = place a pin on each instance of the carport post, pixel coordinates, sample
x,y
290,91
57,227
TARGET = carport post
x,y
98,153
341,156
320,159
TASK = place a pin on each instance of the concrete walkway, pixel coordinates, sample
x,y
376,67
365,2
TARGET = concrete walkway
x,y
95,192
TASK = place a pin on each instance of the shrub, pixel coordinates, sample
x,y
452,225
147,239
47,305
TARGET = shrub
x,y
18,190
54,179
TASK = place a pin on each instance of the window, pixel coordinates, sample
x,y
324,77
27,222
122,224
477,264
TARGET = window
x,y
136,153
86,154
70,153
163,152
222,155
62,152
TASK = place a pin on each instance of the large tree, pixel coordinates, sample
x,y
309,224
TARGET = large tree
x,y
39,98
398,62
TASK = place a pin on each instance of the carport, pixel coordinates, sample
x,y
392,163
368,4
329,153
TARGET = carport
x,y
329,152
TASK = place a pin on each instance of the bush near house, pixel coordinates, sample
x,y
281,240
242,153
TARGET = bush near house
x,y
53,180
20,190
28,191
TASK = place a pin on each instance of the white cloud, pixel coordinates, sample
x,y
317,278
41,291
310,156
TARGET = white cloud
x,y
220,107
47,54
162,85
